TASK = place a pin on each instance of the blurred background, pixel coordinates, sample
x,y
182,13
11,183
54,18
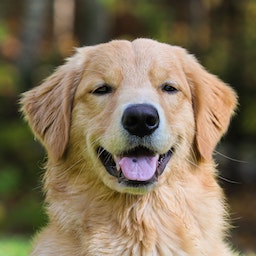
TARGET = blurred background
x,y
35,37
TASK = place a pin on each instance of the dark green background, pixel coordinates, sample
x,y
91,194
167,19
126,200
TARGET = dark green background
x,y
221,33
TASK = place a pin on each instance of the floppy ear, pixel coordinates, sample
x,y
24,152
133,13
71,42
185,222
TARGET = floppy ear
x,y
214,103
47,108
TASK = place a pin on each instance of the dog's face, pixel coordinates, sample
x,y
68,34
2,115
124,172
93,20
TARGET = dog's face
x,y
131,110
134,107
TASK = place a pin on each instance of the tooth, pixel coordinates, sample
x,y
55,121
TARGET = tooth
x,y
117,159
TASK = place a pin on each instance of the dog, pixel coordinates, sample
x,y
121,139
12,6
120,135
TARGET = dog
x,y
130,129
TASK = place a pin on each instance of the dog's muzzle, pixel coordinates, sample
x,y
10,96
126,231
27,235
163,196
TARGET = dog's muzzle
x,y
140,165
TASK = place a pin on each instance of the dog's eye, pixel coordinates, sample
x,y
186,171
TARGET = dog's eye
x,y
169,88
103,89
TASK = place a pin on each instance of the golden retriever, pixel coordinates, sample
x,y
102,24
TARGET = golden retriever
x,y
129,129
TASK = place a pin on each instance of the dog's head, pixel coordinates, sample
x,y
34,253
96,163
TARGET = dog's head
x,y
130,109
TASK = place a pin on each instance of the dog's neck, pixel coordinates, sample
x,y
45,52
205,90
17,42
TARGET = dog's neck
x,y
139,217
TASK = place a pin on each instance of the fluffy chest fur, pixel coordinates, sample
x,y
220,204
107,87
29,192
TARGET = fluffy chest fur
x,y
169,221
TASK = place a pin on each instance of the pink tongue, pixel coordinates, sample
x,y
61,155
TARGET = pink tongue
x,y
141,168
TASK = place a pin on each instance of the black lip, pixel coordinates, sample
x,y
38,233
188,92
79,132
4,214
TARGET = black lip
x,y
108,161
110,165
134,183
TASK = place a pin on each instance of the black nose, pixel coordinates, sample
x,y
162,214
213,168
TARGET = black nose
x,y
140,119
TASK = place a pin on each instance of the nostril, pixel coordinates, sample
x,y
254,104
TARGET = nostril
x,y
151,121
140,119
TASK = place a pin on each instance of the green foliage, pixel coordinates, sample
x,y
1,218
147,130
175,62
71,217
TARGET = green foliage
x,y
20,195
15,246
9,180
3,31
8,79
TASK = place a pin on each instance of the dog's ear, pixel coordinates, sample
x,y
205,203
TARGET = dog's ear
x,y
47,108
214,104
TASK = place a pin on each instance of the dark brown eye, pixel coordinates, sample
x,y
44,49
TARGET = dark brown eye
x,y
169,88
102,90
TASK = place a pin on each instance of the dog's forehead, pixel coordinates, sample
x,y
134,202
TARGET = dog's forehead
x,y
139,56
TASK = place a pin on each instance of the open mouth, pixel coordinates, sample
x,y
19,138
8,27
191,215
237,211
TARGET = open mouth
x,y
137,167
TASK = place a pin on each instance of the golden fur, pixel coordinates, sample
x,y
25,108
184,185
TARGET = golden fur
x,y
90,212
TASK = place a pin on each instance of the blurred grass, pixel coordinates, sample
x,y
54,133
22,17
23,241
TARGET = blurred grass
x,y
14,246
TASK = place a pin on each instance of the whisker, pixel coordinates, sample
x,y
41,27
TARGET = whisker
x,y
228,180
225,156
230,158
72,166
